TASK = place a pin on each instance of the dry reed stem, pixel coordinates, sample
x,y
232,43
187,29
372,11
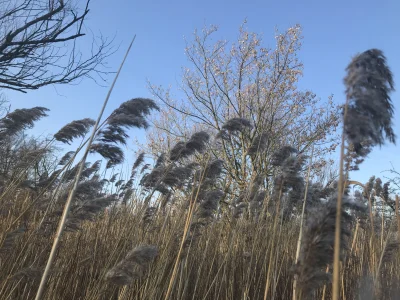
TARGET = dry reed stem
x,y
324,288
184,236
377,279
336,253
372,237
397,215
299,241
76,182
267,283
355,236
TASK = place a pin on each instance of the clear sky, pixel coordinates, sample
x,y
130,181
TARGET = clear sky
x,y
333,32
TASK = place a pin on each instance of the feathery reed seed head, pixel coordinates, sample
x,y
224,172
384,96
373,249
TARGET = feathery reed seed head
x,y
318,242
236,124
20,119
281,155
369,82
259,144
75,129
196,143
113,153
139,160
66,157
10,238
133,266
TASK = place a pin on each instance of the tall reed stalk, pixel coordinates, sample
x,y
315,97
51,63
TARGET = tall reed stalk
x,y
75,184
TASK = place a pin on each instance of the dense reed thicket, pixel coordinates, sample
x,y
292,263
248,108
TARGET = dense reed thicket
x,y
174,229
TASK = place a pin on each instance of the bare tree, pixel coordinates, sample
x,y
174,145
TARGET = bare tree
x,y
246,81
38,44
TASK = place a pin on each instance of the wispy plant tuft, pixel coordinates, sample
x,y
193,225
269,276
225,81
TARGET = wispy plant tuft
x,y
281,155
209,203
20,119
369,82
144,168
10,238
87,210
70,174
179,151
391,249
177,176
75,129
214,169
114,177
160,160
31,273
196,143
130,114
318,243
133,266
95,167
367,115
66,158
259,144
112,134
233,127
236,125
114,154
134,108
50,181
139,160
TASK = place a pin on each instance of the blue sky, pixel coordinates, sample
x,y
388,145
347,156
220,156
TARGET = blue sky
x,y
333,32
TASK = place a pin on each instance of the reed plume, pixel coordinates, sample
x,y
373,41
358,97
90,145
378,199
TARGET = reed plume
x,y
114,154
66,158
75,129
10,239
196,143
318,243
20,119
258,145
367,115
236,124
130,114
139,160
133,266
369,83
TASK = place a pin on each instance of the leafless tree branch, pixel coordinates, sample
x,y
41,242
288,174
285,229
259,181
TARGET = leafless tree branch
x,y
38,45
